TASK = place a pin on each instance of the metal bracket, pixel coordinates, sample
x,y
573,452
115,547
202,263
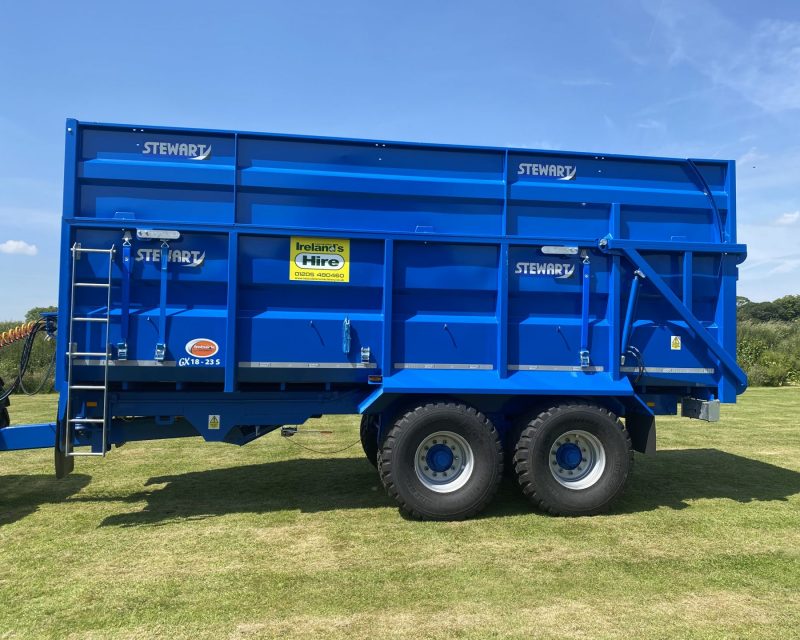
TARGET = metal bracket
x,y
365,355
161,350
346,335
700,409
122,351
583,354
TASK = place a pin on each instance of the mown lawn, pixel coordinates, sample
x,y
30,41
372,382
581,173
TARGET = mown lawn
x,y
191,540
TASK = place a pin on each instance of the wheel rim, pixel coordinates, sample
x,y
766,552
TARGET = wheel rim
x,y
444,462
577,459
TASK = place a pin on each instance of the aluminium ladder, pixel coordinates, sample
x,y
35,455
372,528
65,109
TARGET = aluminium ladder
x,y
73,353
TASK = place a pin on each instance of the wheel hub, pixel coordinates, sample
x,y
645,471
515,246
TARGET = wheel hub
x,y
444,461
577,459
569,456
439,458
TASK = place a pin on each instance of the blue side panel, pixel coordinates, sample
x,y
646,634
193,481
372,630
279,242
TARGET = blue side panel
x,y
502,272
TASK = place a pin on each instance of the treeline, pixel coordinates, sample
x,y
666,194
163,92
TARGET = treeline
x,y
768,345
769,340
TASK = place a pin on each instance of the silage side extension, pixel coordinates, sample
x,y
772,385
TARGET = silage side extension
x,y
480,307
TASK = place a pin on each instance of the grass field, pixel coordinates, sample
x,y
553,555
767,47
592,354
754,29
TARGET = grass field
x,y
185,539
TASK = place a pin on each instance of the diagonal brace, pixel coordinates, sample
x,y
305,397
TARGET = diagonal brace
x,y
715,347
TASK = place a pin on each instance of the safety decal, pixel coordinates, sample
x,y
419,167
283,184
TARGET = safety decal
x,y
213,421
675,343
319,259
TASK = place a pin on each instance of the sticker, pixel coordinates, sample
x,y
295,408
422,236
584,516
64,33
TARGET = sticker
x,y
202,348
213,421
319,259
675,343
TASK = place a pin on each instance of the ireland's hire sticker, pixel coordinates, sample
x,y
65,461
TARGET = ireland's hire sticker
x,y
319,259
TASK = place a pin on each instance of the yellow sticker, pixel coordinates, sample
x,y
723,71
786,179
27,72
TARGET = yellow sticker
x,y
675,343
213,421
319,259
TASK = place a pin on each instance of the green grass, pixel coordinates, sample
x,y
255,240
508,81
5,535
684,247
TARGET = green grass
x,y
185,539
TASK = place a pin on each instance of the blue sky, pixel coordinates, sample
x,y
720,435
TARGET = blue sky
x,y
699,78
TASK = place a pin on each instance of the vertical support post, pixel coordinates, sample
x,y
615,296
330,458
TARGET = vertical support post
x,y
627,328
615,221
232,319
688,276
68,411
586,280
161,345
614,300
502,311
725,320
125,303
388,314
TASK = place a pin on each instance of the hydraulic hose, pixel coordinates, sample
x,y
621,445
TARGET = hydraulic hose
x,y
27,332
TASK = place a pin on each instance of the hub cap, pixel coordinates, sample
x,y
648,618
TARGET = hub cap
x,y
444,462
577,459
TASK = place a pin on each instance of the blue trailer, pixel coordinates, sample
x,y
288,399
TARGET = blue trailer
x,y
480,307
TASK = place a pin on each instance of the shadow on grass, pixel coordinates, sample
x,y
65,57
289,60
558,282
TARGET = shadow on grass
x,y
308,485
673,477
670,479
22,495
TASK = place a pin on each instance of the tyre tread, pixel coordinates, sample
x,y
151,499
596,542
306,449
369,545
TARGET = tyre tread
x,y
521,456
385,464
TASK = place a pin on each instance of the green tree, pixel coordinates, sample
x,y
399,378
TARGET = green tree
x,y
33,314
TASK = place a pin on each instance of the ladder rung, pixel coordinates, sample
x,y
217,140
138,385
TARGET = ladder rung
x,y
78,454
101,354
92,284
97,420
88,387
85,250
90,319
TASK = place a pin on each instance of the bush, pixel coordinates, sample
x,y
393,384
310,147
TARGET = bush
x,y
769,352
38,365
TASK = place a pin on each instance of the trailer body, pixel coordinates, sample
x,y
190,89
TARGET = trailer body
x,y
256,280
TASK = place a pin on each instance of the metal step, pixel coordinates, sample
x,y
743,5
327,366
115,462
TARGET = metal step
x,y
92,284
88,387
98,354
90,319
96,420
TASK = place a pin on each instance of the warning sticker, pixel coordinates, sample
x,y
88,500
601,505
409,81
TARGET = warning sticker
x,y
675,343
319,259
213,421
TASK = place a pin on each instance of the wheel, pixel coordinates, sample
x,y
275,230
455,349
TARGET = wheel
x,y
441,461
573,459
369,438
5,419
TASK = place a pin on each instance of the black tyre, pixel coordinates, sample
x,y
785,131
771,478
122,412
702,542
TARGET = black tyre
x,y
574,459
5,419
369,438
441,461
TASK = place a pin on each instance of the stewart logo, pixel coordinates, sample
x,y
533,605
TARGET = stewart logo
x,y
559,270
179,149
557,171
181,256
